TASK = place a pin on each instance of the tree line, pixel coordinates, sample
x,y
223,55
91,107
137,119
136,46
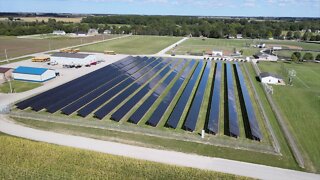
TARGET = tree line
x,y
173,26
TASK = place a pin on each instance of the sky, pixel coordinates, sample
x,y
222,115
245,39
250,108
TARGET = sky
x,y
274,8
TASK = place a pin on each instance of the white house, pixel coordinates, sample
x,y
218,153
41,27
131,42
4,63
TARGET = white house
x,y
92,32
72,58
33,74
217,53
61,33
239,36
270,78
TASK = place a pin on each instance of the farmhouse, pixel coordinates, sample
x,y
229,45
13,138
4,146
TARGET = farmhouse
x,y
217,53
5,73
72,58
58,32
33,74
270,78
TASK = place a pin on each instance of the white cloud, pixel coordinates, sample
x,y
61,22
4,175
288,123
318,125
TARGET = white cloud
x,y
249,3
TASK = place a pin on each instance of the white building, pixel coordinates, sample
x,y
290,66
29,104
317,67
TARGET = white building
x,y
276,48
33,74
61,33
92,32
81,34
239,36
72,58
107,32
217,53
270,78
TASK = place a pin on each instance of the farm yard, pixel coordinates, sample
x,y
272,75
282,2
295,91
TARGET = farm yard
x,y
300,104
198,46
35,160
16,47
133,45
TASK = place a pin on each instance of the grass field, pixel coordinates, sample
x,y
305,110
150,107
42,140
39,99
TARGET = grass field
x,y
25,159
197,45
18,86
18,46
32,19
300,105
134,45
287,54
3,62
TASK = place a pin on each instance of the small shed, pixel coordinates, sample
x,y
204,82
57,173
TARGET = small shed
x,y
72,58
270,78
5,73
33,74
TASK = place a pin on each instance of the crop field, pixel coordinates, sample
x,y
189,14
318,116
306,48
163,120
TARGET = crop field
x,y
33,19
133,45
18,86
18,46
197,45
300,105
153,100
25,159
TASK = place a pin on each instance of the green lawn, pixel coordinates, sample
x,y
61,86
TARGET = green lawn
x,y
300,105
134,45
287,54
18,86
25,159
3,62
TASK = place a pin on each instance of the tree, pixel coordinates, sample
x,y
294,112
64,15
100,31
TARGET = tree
x,y
294,58
308,56
297,35
10,18
269,35
318,57
298,55
289,35
307,36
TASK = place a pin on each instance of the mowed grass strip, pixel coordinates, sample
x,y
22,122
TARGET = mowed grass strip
x,y
18,86
25,159
300,105
3,62
134,45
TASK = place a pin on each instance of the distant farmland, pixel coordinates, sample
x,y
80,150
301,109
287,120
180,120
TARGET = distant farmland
x,y
32,19
17,46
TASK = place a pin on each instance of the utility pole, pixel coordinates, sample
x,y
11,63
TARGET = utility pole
x,y
5,52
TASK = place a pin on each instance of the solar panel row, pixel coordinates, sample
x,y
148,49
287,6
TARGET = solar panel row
x,y
124,109
93,105
90,87
180,106
193,113
254,127
164,104
213,121
144,108
107,108
232,112
71,108
85,86
26,103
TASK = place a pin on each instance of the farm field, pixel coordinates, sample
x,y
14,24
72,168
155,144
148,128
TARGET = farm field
x,y
197,45
25,159
133,45
4,62
32,19
19,46
18,86
300,105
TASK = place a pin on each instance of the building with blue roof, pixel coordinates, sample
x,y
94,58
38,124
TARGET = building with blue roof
x,y
33,74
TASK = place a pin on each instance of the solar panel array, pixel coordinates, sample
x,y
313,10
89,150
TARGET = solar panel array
x,y
152,91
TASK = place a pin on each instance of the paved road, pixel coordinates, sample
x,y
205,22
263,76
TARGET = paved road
x,y
162,156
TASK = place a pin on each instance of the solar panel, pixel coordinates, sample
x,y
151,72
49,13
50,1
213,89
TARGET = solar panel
x,y
92,86
86,110
102,112
180,106
62,93
124,109
232,109
192,117
254,127
26,103
164,104
142,110
213,122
